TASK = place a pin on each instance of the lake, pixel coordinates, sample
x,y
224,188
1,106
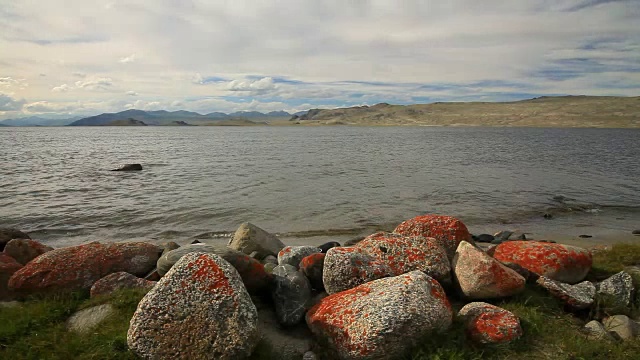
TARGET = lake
x,y
314,184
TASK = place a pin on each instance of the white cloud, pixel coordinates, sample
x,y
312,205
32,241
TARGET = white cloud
x,y
132,93
256,87
95,83
48,107
61,88
128,59
8,103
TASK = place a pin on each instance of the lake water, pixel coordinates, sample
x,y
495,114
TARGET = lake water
x,y
313,184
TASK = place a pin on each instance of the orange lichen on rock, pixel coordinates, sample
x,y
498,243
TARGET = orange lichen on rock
x,y
447,230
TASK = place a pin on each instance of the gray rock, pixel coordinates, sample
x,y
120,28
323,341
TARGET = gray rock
x,y
326,246
622,326
129,167
268,267
635,232
382,318
518,235
8,234
502,235
489,324
617,291
309,355
596,331
348,267
249,238
285,342
85,320
484,238
25,250
199,310
270,259
291,294
578,297
479,276
292,255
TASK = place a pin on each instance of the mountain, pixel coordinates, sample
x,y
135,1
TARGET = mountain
x,y
256,114
559,111
163,117
127,122
38,121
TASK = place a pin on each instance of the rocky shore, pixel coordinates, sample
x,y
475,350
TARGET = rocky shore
x,y
373,298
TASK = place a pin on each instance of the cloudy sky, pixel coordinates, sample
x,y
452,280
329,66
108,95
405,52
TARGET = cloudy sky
x,y
76,57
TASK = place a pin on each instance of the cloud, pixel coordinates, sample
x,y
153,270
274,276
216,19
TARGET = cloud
x,y
95,83
7,103
255,87
128,59
48,107
132,93
61,88
9,82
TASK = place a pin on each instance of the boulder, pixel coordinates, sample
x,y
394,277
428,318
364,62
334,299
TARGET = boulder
x,y
117,281
270,259
484,238
596,331
86,320
502,236
312,266
199,310
129,167
8,234
447,230
348,267
249,238
622,326
577,297
479,276
403,254
25,250
382,318
292,255
291,294
8,266
253,274
565,263
617,291
78,267
326,246
489,324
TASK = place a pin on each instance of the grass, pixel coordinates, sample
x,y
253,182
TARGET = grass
x,y
36,328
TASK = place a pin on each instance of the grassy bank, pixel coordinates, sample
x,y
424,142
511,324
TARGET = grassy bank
x,y
36,328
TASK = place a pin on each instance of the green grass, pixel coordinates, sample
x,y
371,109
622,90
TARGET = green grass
x,y
36,329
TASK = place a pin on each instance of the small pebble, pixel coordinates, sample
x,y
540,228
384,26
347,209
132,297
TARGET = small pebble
x,y
585,236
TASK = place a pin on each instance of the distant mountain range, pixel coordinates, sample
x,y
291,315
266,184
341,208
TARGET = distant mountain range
x,y
160,117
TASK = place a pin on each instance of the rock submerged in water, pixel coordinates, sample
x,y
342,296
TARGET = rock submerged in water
x,y
129,167
249,238
199,310
447,230
489,324
382,318
291,294
564,263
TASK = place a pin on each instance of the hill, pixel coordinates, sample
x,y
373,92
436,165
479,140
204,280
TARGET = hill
x,y
127,122
38,121
563,111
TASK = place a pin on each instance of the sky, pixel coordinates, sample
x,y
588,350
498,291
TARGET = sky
x,y
81,57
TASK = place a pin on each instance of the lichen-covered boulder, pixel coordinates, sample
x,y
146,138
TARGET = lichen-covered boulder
x,y
579,296
252,271
382,318
479,276
312,267
447,230
407,253
117,281
8,234
25,250
622,326
348,267
564,263
617,291
249,238
8,266
78,267
489,324
292,255
199,310
291,294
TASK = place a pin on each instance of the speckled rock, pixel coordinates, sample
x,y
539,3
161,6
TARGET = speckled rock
x,y
577,297
8,266
270,259
617,290
348,267
312,267
78,267
25,250
292,255
403,254
479,276
489,324
447,230
565,263
86,320
117,281
622,326
199,310
253,274
249,238
596,331
382,318
291,294
8,234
